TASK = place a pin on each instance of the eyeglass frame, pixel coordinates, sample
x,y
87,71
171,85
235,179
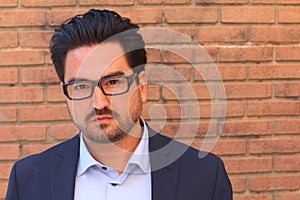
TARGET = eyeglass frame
x,y
129,78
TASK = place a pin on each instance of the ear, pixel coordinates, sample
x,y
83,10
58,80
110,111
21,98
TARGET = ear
x,y
62,90
143,85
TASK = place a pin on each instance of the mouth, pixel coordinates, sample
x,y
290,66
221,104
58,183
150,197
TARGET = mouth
x,y
103,119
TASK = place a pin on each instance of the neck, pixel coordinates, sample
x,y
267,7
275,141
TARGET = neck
x,y
116,155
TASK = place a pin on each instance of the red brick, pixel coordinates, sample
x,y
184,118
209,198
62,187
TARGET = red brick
x,y
222,1
159,37
48,58
5,169
289,15
287,164
144,15
188,91
171,57
238,184
9,151
19,18
3,189
287,89
35,38
159,2
287,71
63,131
187,32
139,16
227,73
45,113
163,73
153,55
274,183
287,196
8,3
55,94
248,14
275,34
222,109
105,2
285,126
212,52
189,130
46,3
56,17
247,128
8,39
248,165
267,146
153,92
287,53
39,75
22,133
21,57
190,54
252,197
248,90
246,53
165,111
278,108
191,15
9,75
30,149
275,2
230,147
8,114
221,34
21,94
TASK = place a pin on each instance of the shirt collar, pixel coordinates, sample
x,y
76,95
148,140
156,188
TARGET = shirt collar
x,y
140,156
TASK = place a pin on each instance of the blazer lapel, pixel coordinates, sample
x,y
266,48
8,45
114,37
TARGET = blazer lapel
x,y
163,166
63,171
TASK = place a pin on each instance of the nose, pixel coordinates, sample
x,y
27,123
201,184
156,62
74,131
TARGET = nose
x,y
99,99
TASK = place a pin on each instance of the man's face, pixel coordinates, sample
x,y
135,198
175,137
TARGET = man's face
x,y
101,118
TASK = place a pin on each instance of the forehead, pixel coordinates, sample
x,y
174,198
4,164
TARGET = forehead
x,y
94,62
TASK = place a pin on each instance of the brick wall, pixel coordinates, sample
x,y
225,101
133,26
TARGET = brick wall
x,y
254,43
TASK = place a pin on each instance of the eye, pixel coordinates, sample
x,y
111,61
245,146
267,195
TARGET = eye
x,y
81,86
113,82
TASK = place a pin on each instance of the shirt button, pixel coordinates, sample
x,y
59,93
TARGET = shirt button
x,y
104,168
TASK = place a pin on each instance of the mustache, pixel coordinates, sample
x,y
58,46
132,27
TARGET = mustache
x,y
103,111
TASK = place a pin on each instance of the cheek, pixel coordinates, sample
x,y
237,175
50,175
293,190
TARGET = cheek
x,y
125,103
135,100
78,110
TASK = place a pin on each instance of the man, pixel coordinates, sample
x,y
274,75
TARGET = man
x,y
100,57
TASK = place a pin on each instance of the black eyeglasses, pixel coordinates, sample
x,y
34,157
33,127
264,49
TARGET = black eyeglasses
x,y
110,86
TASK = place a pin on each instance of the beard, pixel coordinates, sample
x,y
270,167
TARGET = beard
x,y
118,128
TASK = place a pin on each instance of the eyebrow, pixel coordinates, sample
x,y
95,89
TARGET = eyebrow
x,y
117,73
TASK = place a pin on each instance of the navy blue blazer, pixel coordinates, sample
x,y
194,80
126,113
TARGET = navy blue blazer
x,y
51,174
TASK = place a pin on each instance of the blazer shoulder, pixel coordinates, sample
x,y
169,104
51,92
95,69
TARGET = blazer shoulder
x,y
61,149
187,151
184,155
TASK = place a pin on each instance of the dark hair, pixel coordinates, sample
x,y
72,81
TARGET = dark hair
x,y
92,28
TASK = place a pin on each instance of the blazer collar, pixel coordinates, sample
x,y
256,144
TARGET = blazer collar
x,y
63,171
164,166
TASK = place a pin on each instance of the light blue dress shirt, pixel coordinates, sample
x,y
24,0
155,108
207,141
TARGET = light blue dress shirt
x,y
96,181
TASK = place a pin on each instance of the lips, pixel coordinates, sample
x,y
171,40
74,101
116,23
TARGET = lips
x,y
103,118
